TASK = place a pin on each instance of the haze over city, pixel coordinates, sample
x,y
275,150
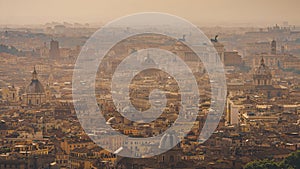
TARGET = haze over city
x,y
119,84
203,12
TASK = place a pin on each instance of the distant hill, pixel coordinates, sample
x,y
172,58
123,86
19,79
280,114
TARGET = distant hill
x,y
10,50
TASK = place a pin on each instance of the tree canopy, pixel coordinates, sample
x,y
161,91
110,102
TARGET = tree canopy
x,y
290,162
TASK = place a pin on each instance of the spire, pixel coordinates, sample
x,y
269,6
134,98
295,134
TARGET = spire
x,y
34,74
262,61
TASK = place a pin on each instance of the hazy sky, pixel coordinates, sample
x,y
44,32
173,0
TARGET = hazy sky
x,y
197,11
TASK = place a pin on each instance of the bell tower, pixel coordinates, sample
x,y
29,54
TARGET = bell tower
x,y
273,47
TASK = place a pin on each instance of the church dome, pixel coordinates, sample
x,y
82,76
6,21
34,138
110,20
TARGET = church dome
x,y
263,69
168,141
263,75
35,86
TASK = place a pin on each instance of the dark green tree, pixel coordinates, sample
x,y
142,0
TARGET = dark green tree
x,y
290,162
263,164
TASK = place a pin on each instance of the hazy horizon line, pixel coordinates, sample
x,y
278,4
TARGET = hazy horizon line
x,y
198,23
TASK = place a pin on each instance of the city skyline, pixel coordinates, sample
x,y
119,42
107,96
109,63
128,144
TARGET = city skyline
x,y
159,84
205,13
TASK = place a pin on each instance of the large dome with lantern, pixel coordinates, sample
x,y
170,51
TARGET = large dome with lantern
x,y
262,75
35,86
35,94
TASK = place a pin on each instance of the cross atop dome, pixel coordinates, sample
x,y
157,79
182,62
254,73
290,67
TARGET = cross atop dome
x,y
34,74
